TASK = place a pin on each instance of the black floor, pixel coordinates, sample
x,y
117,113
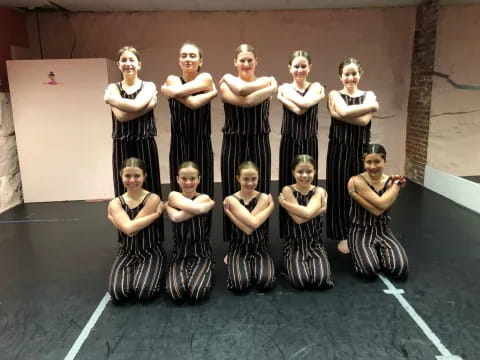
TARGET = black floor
x,y
53,275
474,178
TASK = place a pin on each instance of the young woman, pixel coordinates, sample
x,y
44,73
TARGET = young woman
x,y
191,267
250,261
373,246
300,100
246,100
137,270
132,102
304,254
189,100
351,110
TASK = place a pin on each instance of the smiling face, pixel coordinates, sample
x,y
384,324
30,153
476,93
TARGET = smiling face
x,y
248,179
190,59
350,77
299,68
374,164
132,177
304,174
188,180
128,63
245,62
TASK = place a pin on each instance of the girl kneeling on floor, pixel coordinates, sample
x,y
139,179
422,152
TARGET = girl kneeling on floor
x,y
304,254
250,261
191,267
137,270
373,246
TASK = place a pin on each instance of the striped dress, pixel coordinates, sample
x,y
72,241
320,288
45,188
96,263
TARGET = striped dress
x,y
190,141
191,267
346,145
138,268
304,255
245,137
372,244
299,136
250,261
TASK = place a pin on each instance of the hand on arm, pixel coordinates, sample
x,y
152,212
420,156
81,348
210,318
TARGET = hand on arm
x,y
250,100
176,215
131,105
174,88
313,96
253,219
290,105
245,88
360,200
201,205
226,208
381,203
198,100
150,212
352,114
306,213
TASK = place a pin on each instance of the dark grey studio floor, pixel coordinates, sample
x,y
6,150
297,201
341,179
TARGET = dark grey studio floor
x,y
54,274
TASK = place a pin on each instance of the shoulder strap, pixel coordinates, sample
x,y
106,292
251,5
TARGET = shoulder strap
x,y
389,180
366,181
145,198
122,200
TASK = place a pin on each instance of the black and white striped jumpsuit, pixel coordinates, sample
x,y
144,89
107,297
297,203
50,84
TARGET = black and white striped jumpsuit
x,y
299,136
346,145
135,138
373,246
303,252
191,267
250,261
190,141
245,137
138,268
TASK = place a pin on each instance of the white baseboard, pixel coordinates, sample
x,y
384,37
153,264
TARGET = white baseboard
x,y
455,188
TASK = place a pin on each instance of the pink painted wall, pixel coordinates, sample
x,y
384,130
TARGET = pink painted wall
x,y
380,38
13,31
454,141
62,151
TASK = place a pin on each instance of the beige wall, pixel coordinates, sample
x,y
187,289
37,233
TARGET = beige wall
x,y
454,140
380,38
60,129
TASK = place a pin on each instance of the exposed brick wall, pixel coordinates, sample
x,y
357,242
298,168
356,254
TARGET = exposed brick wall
x,y
420,96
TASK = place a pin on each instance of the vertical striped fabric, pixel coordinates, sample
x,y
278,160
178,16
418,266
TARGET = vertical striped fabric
x,y
139,128
299,136
191,267
344,159
138,268
373,246
190,141
245,137
250,261
135,138
304,255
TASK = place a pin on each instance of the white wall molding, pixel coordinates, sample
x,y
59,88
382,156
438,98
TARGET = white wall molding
x,y
455,188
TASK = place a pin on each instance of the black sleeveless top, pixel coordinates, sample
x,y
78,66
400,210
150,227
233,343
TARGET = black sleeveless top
x,y
361,216
247,120
349,134
147,238
139,128
309,229
191,237
300,126
189,122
